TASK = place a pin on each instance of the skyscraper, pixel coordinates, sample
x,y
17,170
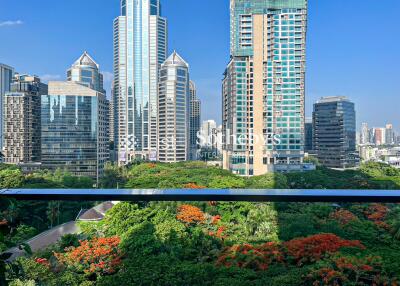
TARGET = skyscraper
x,y
174,110
389,134
263,87
334,120
207,133
75,120
364,137
111,114
308,135
22,125
6,75
195,117
140,47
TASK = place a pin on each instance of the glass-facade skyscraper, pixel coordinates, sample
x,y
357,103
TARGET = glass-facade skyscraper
x,y
75,121
140,47
195,119
174,111
6,76
74,129
334,121
264,87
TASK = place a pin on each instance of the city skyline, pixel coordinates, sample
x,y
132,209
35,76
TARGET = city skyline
x,y
333,51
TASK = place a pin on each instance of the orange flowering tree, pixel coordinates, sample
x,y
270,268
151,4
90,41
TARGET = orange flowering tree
x,y
326,276
297,251
343,216
351,270
190,214
377,213
316,247
193,186
98,255
249,256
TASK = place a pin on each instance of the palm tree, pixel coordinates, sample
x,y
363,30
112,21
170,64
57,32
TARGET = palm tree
x,y
11,214
53,212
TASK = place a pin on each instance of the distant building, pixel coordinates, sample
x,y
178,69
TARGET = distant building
x,y
140,47
334,120
390,136
308,133
379,136
207,133
22,125
111,114
113,125
397,139
174,110
365,134
195,117
6,76
217,142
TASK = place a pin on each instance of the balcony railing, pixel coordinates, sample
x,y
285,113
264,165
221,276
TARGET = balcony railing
x,y
263,195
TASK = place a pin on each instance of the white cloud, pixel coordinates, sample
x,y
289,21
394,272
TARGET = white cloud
x,y
49,77
11,23
107,76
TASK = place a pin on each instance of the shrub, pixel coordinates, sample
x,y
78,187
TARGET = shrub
x,y
316,247
254,257
343,216
99,255
190,214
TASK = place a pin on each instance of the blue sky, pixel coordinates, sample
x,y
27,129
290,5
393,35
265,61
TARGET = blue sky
x,y
353,46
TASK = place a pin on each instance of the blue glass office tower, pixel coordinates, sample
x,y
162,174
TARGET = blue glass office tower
x,y
74,129
75,121
334,121
264,87
140,47
6,76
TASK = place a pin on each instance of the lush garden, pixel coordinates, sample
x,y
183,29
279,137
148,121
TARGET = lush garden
x,y
217,243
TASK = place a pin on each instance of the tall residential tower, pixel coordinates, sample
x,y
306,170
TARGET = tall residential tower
x,y
140,47
22,125
263,87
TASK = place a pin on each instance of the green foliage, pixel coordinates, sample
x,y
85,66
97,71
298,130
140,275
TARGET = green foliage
x,y
159,249
268,181
31,270
69,240
22,233
11,178
19,282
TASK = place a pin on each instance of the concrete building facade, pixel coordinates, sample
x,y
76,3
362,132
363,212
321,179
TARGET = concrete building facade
x,y
22,123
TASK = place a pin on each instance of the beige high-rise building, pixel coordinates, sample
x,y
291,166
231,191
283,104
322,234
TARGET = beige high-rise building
x,y
264,87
